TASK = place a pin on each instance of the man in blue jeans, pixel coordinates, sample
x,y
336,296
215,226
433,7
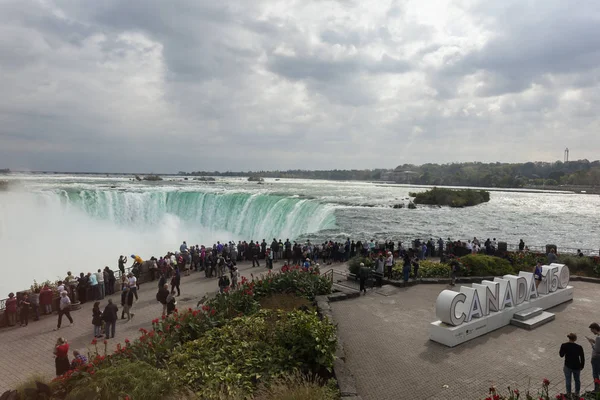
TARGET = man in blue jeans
x,y
574,362
595,342
110,318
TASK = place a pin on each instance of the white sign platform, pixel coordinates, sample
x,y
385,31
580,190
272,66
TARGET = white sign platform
x,y
485,307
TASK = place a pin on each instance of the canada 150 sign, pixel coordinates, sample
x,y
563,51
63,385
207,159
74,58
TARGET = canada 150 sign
x,y
491,304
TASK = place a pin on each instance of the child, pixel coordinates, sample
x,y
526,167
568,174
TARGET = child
x,y
97,320
171,302
24,304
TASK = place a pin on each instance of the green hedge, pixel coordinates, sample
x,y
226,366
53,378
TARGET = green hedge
x,y
482,265
580,265
427,269
354,264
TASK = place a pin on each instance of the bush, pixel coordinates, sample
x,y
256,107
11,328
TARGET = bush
x,y
430,269
231,360
579,265
168,334
482,265
298,387
354,264
125,379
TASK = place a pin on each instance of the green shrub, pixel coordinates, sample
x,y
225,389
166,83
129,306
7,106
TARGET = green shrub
x,y
298,387
430,269
231,360
134,379
579,265
482,265
354,264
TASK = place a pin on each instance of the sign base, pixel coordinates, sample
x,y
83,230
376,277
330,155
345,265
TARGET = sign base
x,y
454,335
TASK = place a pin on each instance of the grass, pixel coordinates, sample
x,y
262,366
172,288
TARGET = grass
x,y
285,302
298,387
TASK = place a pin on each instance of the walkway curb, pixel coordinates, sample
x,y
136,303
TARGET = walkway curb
x,y
345,379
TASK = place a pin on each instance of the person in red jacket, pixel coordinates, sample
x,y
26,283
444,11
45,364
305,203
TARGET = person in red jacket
x,y
11,309
46,300
61,354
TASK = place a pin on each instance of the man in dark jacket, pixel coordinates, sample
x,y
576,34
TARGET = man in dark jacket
x,y
363,273
161,297
110,318
127,303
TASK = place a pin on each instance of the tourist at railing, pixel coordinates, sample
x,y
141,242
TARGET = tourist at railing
x,y
34,299
46,300
11,309
24,310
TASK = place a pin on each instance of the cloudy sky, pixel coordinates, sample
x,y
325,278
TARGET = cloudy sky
x,y
163,86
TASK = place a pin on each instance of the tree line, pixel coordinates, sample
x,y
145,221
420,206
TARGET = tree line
x,y
504,175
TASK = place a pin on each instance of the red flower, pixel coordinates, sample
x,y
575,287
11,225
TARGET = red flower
x,y
178,327
597,381
94,341
105,341
516,391
213,311
126,340
496,397
546,382
155,321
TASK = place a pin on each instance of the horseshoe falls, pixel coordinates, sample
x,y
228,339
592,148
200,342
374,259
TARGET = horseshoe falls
x,y
46,232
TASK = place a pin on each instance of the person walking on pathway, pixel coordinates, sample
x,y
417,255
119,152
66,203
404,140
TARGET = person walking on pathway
x,y
176,281
64,308
389,264
132,281
574,362
127,303
97,320
109,315
161,297
363,273
24,308
595,342
61,356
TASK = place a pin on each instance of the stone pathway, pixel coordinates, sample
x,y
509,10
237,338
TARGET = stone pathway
x,y
387,346
28,351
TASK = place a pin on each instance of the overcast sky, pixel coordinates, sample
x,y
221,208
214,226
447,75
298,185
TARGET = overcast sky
x,y
163,86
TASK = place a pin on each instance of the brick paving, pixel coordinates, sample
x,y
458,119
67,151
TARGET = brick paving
x,y
387,346
27,351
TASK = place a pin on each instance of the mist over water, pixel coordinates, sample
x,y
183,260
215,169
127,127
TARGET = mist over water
x,y
50,224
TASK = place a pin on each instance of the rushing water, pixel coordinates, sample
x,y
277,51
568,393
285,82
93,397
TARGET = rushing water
x,y
53,223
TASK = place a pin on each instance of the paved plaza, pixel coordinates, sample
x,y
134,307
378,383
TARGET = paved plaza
x,y
387,346
28,351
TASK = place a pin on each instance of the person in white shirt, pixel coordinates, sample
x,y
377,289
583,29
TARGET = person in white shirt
x,y
64,308
132,280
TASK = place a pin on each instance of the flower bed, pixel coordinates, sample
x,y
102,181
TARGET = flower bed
x,y
542,394
227,348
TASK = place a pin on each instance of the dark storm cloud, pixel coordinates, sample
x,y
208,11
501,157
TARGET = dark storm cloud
x,y
197,84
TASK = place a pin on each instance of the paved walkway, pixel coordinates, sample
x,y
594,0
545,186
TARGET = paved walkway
x,y
386,340
27,351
